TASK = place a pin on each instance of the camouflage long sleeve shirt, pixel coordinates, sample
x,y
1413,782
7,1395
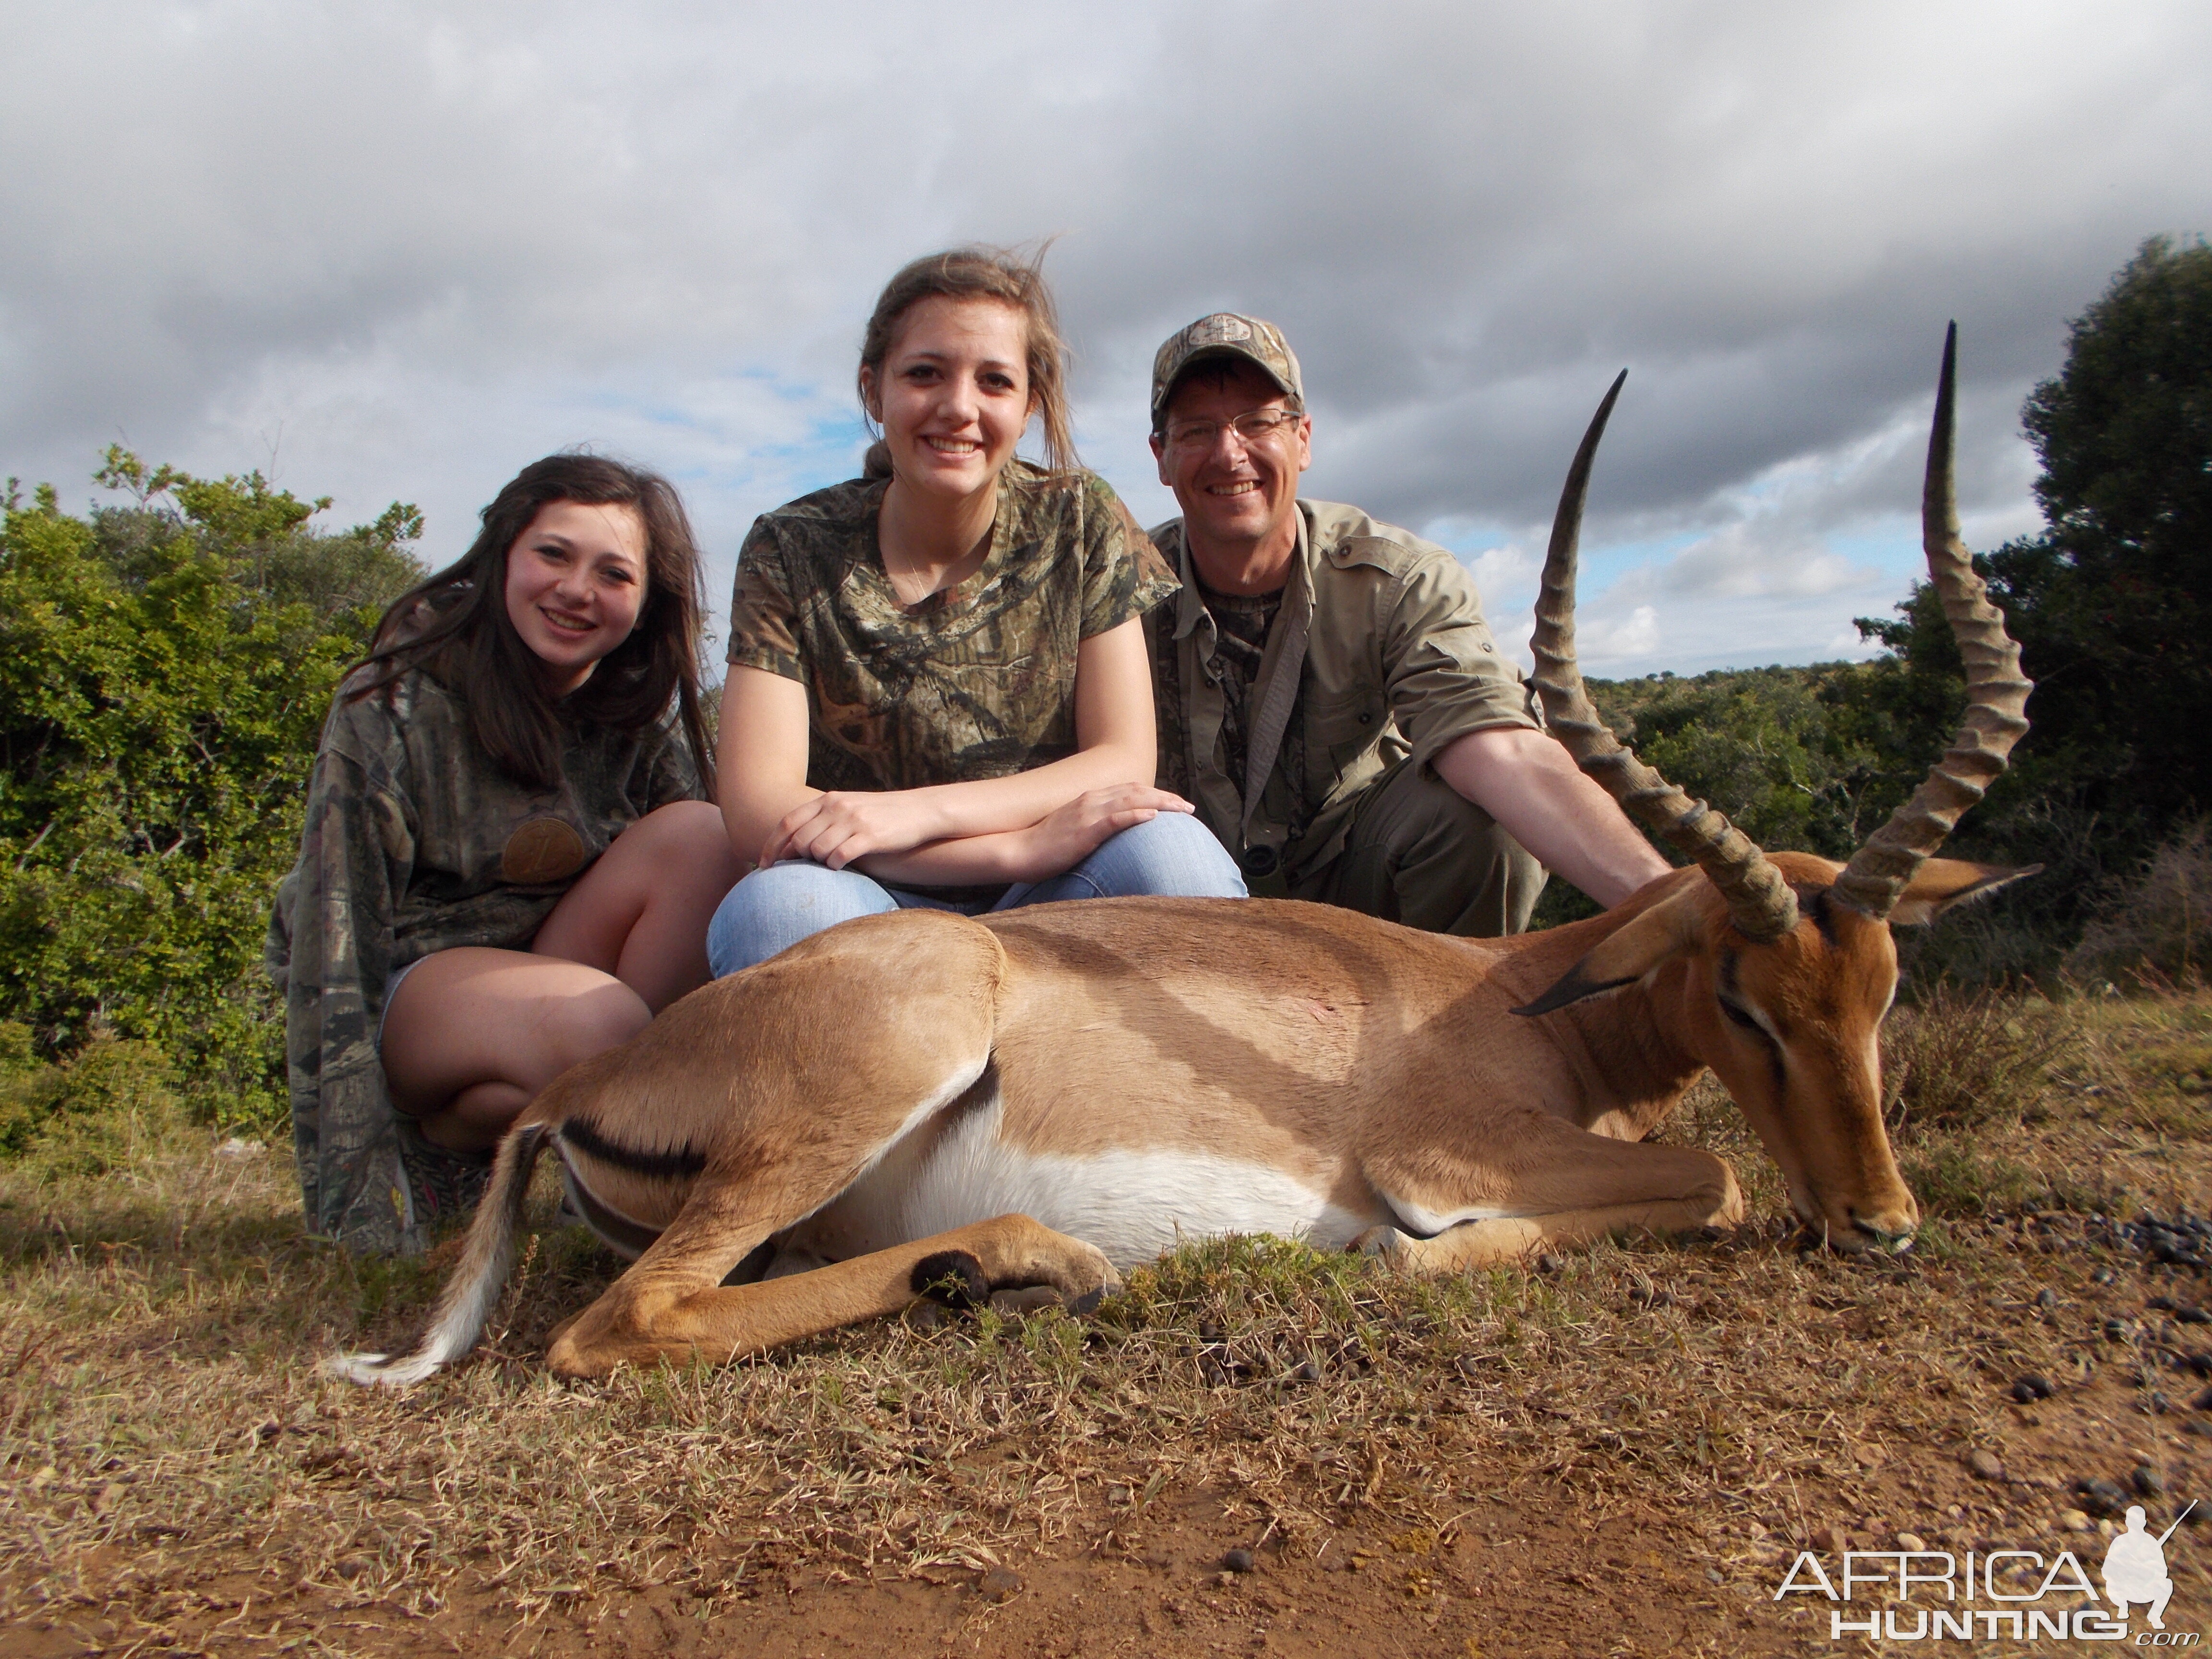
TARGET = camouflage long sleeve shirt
x,y
975,682
415,843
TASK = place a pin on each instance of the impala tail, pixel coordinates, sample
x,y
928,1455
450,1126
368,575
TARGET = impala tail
x,y
474,1284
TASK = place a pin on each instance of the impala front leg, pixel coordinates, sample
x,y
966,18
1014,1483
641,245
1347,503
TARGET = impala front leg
x,y
1548,1184
676,1308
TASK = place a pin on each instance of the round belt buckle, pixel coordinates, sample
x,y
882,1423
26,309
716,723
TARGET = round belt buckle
x,y
1258,862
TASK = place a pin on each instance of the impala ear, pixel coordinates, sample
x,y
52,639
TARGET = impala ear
x,y
1941,882
1667,930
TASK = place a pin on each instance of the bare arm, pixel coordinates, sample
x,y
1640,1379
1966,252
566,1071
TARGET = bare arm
x,y
1532,788
1022,827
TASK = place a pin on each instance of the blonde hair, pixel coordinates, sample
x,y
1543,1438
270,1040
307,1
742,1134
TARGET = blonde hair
x,y
982,273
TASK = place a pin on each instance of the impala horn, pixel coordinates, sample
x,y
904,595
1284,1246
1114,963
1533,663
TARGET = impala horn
x,y
1996,691
1759,901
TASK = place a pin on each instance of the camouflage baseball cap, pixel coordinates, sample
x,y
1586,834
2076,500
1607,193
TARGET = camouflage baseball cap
x,y
1225,334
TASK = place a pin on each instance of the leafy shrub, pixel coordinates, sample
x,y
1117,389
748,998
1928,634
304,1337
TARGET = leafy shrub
x,y
164,673
89,1115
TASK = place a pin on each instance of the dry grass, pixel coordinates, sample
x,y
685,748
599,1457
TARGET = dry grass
x,y
2154,928
169,1445
1958,1058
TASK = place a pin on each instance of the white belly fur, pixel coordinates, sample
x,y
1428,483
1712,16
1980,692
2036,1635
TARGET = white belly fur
x,y
1130,1204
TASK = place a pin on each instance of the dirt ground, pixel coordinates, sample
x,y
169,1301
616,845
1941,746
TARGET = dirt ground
x,y
1259,1452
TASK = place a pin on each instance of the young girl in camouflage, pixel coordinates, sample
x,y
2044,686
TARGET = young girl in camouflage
x,y
510,851
938,694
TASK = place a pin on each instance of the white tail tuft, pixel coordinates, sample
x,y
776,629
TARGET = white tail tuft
x,y
475,1284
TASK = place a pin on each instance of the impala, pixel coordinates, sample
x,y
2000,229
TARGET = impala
x,y
1037,1099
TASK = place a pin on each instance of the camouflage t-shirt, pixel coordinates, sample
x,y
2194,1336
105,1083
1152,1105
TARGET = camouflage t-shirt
x,y
975,682
415,843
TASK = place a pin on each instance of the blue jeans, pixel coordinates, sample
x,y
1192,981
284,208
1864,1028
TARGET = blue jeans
x,y
772,909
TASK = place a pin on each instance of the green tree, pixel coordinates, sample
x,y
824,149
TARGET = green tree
x,y
165,666
2109,603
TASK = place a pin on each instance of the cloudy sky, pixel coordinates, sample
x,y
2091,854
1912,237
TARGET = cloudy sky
x,y
396,251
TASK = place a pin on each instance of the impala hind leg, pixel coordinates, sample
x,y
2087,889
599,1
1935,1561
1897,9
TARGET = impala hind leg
x,y
672,1304
1547,1184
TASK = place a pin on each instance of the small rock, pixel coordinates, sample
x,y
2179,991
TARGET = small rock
x,y
1985,1464
1030,1299
2073,1521
2148,1481
237,1146
998,1585
2191,1316
1834,1539
1548,1263
1713,1575
2046,1300
928,1316
110,1496
1468,1364
2118,1330
1237,1560
2100,1498
1911,1541
1308,1370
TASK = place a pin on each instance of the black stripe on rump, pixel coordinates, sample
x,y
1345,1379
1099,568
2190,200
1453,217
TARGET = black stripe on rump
x,y
676,1163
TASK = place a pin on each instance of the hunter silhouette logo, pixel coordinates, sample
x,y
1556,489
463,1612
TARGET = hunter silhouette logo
x,y
2135,1568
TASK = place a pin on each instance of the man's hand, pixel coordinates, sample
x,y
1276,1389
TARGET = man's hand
x,y
1063,839
1534,790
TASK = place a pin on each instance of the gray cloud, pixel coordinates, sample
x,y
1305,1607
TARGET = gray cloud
x,y
405,248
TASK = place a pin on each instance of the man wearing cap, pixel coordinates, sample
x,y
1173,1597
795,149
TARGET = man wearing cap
x,y
1327,690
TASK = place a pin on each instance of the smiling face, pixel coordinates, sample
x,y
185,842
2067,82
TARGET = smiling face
x,y
953,394
575,584
1234,493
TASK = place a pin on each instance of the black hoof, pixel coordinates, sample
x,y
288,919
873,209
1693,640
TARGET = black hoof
x,y
952,1277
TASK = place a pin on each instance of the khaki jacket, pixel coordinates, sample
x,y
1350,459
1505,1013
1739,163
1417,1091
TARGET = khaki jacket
x,y
1379,652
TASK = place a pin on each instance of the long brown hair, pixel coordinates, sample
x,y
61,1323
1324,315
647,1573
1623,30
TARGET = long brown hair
x,y
455,623
982,273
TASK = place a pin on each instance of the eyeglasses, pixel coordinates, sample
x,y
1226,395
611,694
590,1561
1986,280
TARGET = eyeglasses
x,y
1259,426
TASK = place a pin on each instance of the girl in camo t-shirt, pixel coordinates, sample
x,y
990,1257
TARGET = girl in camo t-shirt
x,y
938,694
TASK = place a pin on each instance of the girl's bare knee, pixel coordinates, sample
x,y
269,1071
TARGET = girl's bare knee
x,y
681,822
591,1022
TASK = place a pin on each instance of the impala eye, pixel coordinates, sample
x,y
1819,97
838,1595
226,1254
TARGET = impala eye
x,y
1742,1017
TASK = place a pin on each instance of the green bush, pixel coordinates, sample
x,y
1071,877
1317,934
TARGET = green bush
x,y
165,667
